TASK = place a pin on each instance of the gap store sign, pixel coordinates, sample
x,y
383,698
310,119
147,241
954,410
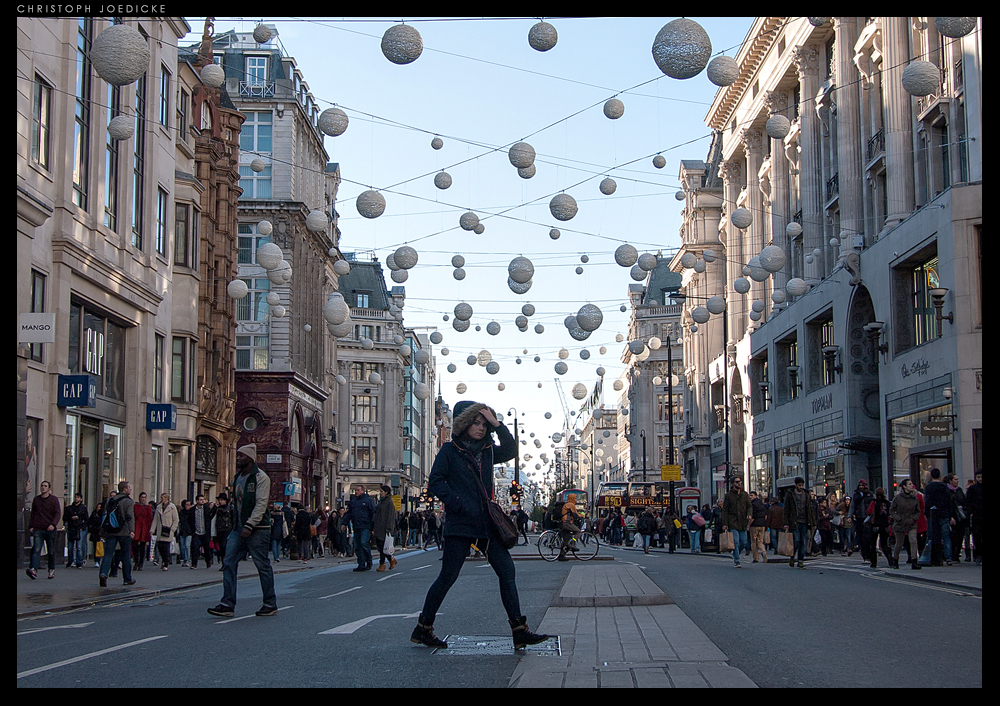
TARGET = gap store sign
x,y
161,416
77,391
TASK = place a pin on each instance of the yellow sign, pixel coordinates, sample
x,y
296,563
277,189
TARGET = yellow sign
x,y
670,472
397,501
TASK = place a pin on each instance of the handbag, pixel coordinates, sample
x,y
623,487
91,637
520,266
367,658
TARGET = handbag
x,y
786,544
99,549
505,530
698,519
677,524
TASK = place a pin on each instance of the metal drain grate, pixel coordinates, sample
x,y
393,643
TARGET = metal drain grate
x,y
495,645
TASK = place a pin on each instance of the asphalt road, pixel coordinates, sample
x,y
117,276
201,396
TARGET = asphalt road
x,y
829,625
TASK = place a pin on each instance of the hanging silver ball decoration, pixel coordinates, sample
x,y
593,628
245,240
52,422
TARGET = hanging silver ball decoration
x,y
479,229
460,388
554,234
699,266
121,127
709,255
458,274
617,385
237,289
342,267
333,122
463,311
370,204
405,257
521,155
213,75
264,227
636,347
585,354
793,229
778,296
493,328
818,21
520,269
460,325
457,261
579,270
626,255
716,304
777,126
955,27
561,368
277,311
539,328
521,321
579,391
317,221
272,299
589,317
637,273
442,180
421,391
493,367
688,260
436,337
517,287
772,258
399,276
921,78
647,262
437,143
682,48
452,367
390,263
563,207
723,71
526,172
258,165
796,287
269,256
402,44
701,314
261,33
608,186
741,218
468,220
756,271
659,161
614,109
528,310
421,357
484,358
120,54
742,285
542,36
758,305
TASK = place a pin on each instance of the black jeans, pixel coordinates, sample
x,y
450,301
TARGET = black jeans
x,y
455,551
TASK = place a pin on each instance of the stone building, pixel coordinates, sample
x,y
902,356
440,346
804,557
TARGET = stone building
x,y
285,364
860,357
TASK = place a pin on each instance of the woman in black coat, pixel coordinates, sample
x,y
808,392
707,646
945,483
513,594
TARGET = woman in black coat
x,y
462,478
303,533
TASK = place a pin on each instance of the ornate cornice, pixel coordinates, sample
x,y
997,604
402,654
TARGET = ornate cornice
x,y
762,36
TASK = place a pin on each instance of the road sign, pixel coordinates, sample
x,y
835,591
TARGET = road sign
x,y
670,472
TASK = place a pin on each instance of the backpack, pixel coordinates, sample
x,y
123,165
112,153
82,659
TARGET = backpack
x,y
554,517
114,519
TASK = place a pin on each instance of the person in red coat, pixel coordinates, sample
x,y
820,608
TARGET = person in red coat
x,y
143,521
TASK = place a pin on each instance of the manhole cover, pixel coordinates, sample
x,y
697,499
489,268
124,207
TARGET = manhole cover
x,y
495,645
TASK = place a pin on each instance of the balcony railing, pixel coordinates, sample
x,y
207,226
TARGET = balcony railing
x,y
256,89
876,145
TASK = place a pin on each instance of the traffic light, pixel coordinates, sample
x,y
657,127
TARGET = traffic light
x,y
515,492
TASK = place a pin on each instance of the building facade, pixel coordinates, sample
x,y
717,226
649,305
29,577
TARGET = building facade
x,y
842,364
285,361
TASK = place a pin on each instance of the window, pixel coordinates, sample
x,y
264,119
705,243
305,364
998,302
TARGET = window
x,y
914,316
164,96
254,306
788,380
177,369
251,352
81,125
183,106
255,135
139,162
364,452
158,351
364,408
821,357
37,307
256,69
97,347
925,278
185,240
247,243
111,170
361,371
41,123
255,185
363,301
162,199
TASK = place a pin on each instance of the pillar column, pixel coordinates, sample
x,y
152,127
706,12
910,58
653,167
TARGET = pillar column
x,y
754,239
850,145
899,158
806,59
777,102
732,177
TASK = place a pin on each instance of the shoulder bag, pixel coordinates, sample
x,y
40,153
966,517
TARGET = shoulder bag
x,y
506,532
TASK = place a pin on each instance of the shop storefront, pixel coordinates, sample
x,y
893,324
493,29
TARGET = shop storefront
x,y
824,456
921,431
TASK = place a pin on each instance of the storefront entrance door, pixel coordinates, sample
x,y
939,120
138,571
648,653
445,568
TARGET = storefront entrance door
x,y
922,463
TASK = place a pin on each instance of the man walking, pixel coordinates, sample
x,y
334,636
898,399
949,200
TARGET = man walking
x,y
120,537
361,513
75,518
45,513
224,523
800,516
974,499
251,533
736,516
939,510
200,541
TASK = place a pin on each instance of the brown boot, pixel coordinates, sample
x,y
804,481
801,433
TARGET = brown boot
x,y
392,563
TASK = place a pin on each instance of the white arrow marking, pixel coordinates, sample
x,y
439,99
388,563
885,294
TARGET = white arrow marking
x,y
54,627
244,617
426,566
66,662
386,578
334,595
350,628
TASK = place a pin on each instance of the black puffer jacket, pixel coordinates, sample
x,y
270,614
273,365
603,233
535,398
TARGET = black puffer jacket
x,y
453,476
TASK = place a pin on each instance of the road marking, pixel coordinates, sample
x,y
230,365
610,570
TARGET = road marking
x,y
54,627
350,628
244,617
920,584
427,566
334,595
386,578
74,660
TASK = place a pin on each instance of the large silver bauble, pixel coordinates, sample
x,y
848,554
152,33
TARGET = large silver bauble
x,y
402,44
682,48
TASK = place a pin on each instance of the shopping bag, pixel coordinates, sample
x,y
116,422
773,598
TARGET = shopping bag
x,y
99,550
786,544
388,548
726,543
767,536
708,536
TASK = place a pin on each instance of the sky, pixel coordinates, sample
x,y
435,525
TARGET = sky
x,y
480,87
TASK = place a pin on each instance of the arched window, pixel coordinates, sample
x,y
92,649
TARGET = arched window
x,y
296,440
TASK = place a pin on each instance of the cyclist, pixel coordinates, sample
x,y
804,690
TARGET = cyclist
x,y
570,527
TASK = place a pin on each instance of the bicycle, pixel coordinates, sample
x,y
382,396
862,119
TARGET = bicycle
x,y
584,548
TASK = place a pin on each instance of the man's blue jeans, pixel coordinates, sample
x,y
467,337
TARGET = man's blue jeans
x,y
258,544
741,541
77,552
37,538
695,536
362,546
800,533
938,530
124,545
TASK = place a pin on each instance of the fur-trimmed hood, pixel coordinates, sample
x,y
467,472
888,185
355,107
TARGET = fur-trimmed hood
x,y
465,414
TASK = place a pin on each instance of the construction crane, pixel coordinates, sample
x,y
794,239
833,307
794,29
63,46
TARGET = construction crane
x,y
567,426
